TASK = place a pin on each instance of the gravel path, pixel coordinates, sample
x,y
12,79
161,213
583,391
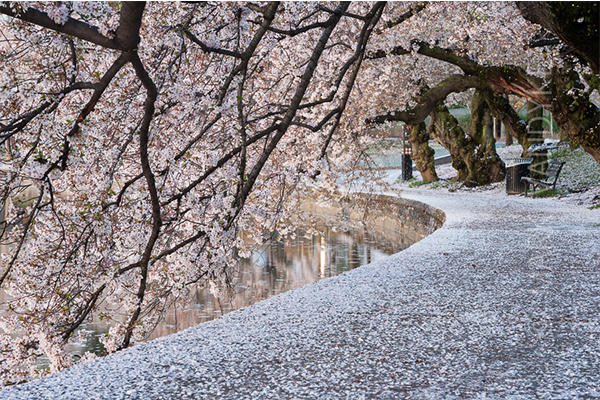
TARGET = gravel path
x,y
502,302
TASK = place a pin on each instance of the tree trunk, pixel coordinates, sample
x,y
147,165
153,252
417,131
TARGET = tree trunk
x,y
489,167
446,130
573,111
508,132
474,155
422,154
508,136
515,126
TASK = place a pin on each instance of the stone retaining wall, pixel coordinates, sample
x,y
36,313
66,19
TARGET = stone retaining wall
x,y
403,219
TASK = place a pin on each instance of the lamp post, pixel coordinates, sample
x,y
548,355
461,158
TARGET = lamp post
x,y
406,160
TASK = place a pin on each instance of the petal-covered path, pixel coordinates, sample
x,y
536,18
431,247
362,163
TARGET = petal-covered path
x,y
502,302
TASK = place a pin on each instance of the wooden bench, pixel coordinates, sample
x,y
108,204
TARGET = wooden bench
x,y
552,173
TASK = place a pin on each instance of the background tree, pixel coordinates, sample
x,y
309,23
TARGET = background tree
x,y
456,47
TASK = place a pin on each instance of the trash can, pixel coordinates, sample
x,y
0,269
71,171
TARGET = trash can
x,y
516,168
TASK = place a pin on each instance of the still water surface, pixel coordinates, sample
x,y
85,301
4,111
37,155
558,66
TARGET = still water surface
x,y
276,267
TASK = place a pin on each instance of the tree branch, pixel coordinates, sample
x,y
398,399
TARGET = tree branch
x,y
294,32
413,11
543,42
452,84
208,49
220,163
296,100
149,107
371,21
72,27
130,22
99,89
23,237
89,306
468,65
576,24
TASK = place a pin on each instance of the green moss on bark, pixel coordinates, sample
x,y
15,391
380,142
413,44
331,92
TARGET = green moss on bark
x,y
573,111
474,154
422,154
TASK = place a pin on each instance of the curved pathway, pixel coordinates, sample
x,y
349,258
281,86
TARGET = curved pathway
x,y
502,302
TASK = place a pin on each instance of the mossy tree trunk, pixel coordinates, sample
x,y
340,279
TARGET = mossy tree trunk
x,y
422,154
446,130
501,109
474,154
574,112
489,166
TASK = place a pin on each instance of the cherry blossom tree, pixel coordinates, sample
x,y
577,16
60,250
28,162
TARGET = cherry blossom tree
x,y
453,48
138,140
146,137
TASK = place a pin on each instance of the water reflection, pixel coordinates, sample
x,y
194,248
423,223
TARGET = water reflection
x,y
284,264
278,266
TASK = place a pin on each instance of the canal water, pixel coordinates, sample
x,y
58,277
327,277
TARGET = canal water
x,y
278,266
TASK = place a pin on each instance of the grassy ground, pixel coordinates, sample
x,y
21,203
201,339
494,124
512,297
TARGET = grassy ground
x,y
580,172
579,180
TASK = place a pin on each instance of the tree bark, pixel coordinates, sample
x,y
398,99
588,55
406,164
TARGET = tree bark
x,y
447,131
422,154
489,167
573,111
575,24
474,154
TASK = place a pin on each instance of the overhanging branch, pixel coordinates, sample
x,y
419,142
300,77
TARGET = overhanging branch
x,y
72,27
452,84
468,65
